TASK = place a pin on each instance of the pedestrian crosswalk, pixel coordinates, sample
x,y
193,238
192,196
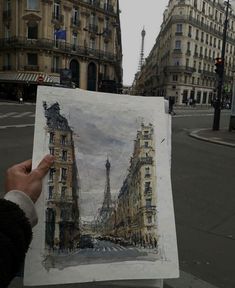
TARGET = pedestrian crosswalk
x,y
17,115
108,249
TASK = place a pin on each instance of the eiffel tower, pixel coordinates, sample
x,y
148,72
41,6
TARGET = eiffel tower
x,y
106,209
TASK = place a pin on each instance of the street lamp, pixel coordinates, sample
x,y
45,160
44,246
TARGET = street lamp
x,y
220,72
99,34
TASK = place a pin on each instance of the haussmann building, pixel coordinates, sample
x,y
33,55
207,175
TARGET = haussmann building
x,y
182,62
39,38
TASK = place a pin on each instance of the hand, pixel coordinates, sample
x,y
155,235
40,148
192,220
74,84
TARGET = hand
x,y
21,177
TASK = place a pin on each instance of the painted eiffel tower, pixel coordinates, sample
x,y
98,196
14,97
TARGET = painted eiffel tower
x,y
106,209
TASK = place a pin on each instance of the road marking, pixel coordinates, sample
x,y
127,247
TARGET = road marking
x,y
7,114
17,126
21,114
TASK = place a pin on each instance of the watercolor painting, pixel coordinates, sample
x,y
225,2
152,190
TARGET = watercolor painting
x,y
102,209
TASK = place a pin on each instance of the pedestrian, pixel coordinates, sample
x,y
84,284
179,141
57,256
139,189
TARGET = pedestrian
x,y
18,215
171,105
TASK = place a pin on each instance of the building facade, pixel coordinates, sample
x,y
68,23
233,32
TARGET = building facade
x,y
38,38
134,217
62,213
182,61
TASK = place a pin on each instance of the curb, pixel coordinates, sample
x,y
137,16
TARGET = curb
x,y
194,134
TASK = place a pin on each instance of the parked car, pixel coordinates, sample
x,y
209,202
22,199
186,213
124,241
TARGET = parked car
x,y
86,241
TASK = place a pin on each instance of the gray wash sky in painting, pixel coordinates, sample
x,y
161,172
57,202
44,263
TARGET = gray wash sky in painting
x,y
98,135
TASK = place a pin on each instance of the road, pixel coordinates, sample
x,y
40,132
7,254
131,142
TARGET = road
x,y
203,191
102,252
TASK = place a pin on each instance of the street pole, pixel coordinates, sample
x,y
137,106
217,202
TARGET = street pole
x,y
216,122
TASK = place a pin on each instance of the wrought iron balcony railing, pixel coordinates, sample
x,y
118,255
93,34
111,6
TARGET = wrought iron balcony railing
x,y
57,17
75,22
59,46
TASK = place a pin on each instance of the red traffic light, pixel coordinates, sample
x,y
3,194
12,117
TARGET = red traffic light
x,y
218,61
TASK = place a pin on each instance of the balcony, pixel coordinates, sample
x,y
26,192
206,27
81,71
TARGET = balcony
x,y
177,51
208,73
52,45
93,28
178,33
31,68
178,69
75,22
56,17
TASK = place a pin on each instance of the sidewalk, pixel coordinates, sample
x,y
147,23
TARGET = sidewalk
x,y
222,137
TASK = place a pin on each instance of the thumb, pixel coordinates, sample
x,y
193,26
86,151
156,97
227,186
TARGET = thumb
x,y
43,167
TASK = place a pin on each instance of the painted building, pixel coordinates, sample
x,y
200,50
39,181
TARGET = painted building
x,y
62,213
135,214
38,38
182,62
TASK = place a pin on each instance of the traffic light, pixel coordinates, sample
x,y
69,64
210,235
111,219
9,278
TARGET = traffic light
x,y
219,64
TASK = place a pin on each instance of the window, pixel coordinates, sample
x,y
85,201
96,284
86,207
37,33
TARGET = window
x,y
177,44
204,99
75,19
92,43
63,191
32,4
198,97
52,138
147,172
146,144
187,62
32,31
50,192
56,64
56,9
189,31
64,155
32,59
149,219
179,28
63,174
175,78
148,203
74,41
63,139
52,151
7,32
51,174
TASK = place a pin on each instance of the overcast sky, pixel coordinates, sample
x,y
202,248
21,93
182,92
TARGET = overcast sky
x,y
136,14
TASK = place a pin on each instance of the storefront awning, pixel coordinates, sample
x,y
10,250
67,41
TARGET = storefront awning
x,y
29,78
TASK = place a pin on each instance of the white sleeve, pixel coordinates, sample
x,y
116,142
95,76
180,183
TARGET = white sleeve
x,y
25,203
